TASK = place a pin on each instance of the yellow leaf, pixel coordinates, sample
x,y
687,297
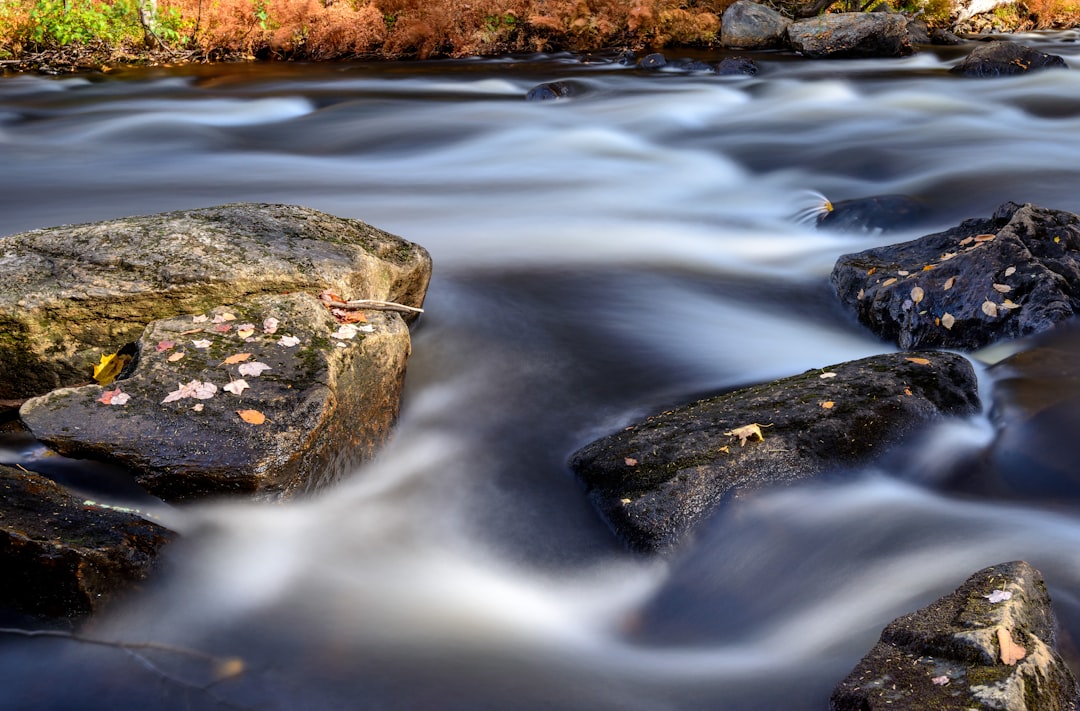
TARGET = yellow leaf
x,y
928,267
234,359
252,417
918,361
1011,652
828,404
229,668
245,332
110,366
1009,304
747,431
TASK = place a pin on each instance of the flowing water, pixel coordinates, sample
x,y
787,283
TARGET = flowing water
x,y
595,259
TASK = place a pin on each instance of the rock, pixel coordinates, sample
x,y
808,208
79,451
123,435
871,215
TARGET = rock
x,y
62,557
550,91
986,280
736,65
970,649
655,480
995,59
70,294
748,25
653,61
325,399
851,34
944,38
918,31
880,213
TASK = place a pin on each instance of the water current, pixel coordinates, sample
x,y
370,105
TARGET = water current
x,y
596,259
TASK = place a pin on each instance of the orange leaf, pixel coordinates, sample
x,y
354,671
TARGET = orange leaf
x,y
918,361
252,417
1011,652
828,404
234,359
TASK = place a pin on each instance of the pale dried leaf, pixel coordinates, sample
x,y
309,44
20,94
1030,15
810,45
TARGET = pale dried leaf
x,y
289,341
949,283
1010,271
253,369
197,408
345,332
746,432
201,318
918,361
947,256
966,240
270,325
223,317
940,680
173,357
1011,652
917,294
948,320
830,374
1009,304
114,397
990,308
985,238
236,358
1002,288
889,282
996,596
236,387
903,272
630,462
201,343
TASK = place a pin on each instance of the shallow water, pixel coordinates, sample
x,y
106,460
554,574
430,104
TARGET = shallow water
x,y
596,259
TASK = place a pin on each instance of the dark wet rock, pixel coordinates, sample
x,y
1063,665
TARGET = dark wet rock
x,y
918,31
550,91
328,402
63,557
850,35
653,61
69,294
655,480
995,59
944,38
880,213
970,649
737,65
986,280
695,66
748,25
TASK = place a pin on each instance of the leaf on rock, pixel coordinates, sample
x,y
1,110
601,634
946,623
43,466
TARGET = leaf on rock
x,y
289,341
194,389
940,680
828,404
966,240
1009,304
1009,271
173,357
236,387
109,367
747,431
985,238
918,361
252,417
990,308
917,294
270,325
114,397
903,272
948,320
1002,288
229,668
197,408
830,374
344,316
950,283
630,462
223,317
947,256
889,282
201,318
253,369
345,332
245,330
996,596
164,345
1011,652
223,328
236,358
328,296
201,343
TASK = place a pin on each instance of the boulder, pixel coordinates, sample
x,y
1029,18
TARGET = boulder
x,y
851,35
62,556
653,61
329,398
730,66
551,91
70,294
994,59
986,280
748,25
988,645
655,480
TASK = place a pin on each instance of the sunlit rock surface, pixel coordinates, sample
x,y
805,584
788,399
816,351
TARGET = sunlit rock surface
x,y
70,294
988,645
329,395
656,480
986,280
749,25
851,34
62,557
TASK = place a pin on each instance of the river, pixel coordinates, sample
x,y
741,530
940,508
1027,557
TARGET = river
x,y
596,259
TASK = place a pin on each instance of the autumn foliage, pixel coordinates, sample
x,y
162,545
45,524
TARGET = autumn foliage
x,y
327,29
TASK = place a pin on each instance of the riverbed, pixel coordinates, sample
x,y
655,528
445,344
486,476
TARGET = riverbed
x,y
596,259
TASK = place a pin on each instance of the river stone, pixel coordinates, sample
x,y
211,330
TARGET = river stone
x,y
328,402
879,213
551,91
654,481
995,59
850,35
63,557
986,280
69,294
748,25
954,653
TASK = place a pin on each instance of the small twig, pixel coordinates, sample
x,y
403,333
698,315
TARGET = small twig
x,y
373,305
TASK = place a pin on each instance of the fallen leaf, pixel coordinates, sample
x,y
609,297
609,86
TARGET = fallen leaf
x,y
197,408
1011,652
928,268
966,240
907,391
229,668
236,387
624,502
1010,271
164,345
947,256
201,343
828,404
253,369
270,325
223,328
1002,288
903,272
245,330
252,417
1009,304
344,316
989,308
1057,240
190,331
725,449
630,462
918,361
940,680
289,341
830,374
950,283
948,320
996,596
860,294
114,397
223,317
173,357
747,431
889,282
236,358
345,332
870,271
193,389
328,295
201,318
917,294
984,238
109,367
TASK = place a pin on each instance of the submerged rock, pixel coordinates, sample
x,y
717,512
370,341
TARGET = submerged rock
x,y
655,480
730,66
748,25
63,557
988,645
550,91
851,35
995,59
70,294
986,280
655,60
880,213
331,394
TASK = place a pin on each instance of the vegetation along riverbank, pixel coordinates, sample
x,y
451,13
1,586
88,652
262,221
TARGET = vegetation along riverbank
x,y
66,35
